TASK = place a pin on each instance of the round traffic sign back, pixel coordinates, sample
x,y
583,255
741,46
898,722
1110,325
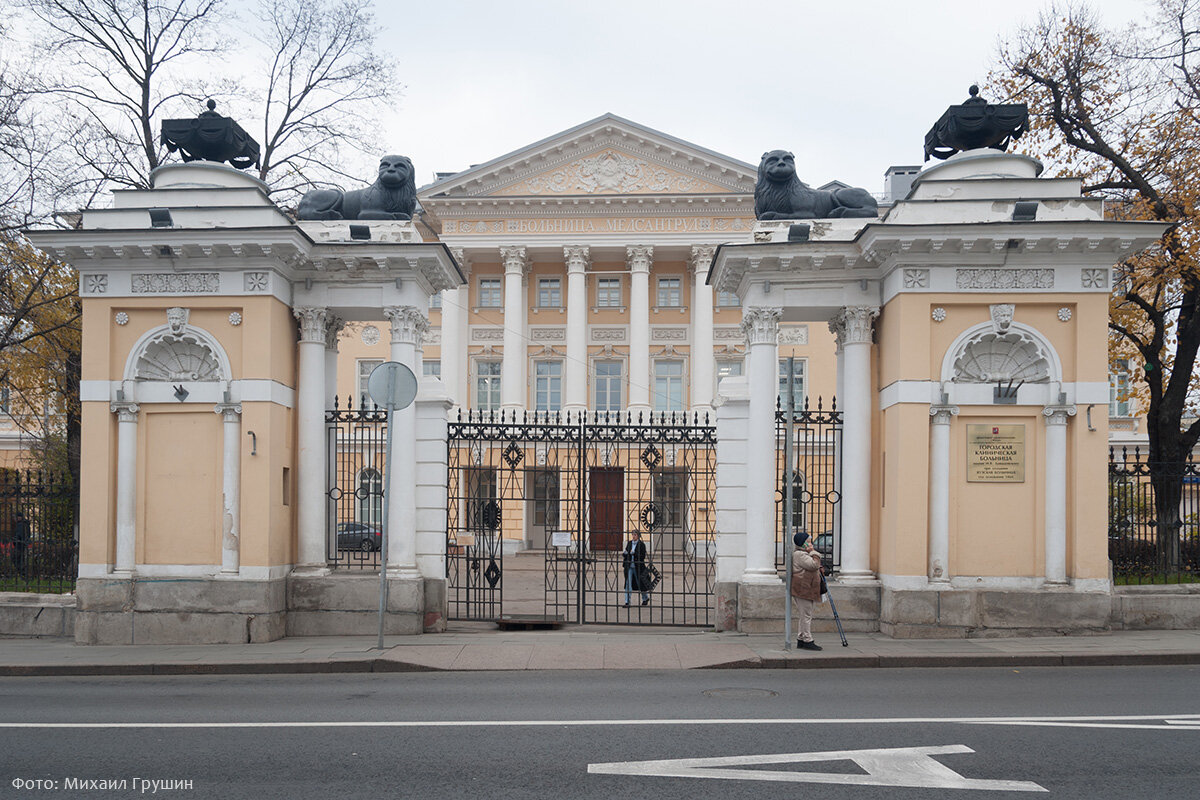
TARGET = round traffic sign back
x,y
392,384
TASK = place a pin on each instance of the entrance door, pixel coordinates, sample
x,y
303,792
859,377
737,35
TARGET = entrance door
x,y
544,489
606,508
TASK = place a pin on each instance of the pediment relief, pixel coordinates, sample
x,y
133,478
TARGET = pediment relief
x,y
610,171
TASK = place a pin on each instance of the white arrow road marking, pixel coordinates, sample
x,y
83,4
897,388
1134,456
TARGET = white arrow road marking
x,y
895,766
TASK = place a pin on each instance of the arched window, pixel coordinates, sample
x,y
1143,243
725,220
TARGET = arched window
x,y
370,497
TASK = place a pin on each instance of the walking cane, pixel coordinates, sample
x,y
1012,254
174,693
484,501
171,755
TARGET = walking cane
x,y
836,619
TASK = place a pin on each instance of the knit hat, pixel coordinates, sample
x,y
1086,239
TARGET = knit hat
x,y
800,538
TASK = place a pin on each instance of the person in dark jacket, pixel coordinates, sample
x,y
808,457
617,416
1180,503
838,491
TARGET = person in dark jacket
x,y
806,587
633,566
20,542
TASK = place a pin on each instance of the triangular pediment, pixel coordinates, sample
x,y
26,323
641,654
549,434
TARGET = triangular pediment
x,y
606,156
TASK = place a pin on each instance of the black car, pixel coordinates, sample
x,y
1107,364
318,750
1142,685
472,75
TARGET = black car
x,y
359,536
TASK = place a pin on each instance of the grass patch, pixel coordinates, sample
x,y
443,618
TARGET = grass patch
x,y
1160,579
37,585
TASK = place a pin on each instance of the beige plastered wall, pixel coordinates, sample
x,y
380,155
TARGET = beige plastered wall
x,y
180,445
996,529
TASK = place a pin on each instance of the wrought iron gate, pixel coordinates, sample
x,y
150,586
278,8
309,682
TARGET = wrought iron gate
x,y
574,487
355,443
817,466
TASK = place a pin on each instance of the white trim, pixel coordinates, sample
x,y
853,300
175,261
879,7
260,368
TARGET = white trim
x,y
212,571
912,583
980,394
242,391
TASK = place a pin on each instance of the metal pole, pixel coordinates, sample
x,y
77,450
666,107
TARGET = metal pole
x,y
387,471
788,482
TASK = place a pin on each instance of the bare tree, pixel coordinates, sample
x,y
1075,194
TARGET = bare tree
x,y
120,64
325,80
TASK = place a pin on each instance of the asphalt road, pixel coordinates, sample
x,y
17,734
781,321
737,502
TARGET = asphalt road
x,y
762,734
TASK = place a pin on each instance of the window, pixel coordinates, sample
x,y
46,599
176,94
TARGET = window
x,y
436,300
487,385
800,388
728,369
728,300
370,497
483,507
608,385
668,293
548,385
365,365
491,293
549,293
608,293
668,386
431,369
668,493
1118,390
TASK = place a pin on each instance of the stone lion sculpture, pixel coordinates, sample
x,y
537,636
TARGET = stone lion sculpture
x,y
392,196
779,194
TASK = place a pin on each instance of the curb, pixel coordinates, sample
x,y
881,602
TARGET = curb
x,y
392,665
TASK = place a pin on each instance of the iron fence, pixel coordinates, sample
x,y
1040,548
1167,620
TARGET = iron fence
x,y
355,449
817,481
1153,519
39,551
574,487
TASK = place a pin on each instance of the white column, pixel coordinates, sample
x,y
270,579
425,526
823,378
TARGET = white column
x,y
310,440
335,326
853,328
702,329
761,326
639,260
513,394
408,327
1056,492
231,486
454,316
127,415
576,384
939,493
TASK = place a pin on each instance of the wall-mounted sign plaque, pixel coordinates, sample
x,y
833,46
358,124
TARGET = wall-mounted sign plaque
x,y
996,453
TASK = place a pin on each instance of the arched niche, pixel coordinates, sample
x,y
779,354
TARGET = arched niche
x,y
984,355
177,353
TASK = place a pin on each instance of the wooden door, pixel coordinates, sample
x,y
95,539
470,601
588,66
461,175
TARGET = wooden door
x,y
606,508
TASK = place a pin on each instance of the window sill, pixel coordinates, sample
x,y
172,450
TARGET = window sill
x,y
680,309
547,309
489,309
601,309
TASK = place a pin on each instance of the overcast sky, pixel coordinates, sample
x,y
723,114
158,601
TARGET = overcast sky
x,y
850,86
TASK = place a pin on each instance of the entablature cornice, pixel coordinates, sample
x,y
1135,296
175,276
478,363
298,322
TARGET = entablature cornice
x,y
590,206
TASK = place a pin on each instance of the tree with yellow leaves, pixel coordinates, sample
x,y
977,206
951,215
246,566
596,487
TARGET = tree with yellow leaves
x,y
1119,110
39,350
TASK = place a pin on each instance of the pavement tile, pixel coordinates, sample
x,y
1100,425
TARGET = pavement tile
x,y
422,656
482,657
563,656
640,656
700,655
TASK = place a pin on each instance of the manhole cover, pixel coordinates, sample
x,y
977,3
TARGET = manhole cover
x,y
739,694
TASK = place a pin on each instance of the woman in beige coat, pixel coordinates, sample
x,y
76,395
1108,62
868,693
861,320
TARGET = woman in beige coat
x,y
806,587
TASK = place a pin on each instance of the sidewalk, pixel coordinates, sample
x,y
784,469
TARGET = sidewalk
x,y
482,647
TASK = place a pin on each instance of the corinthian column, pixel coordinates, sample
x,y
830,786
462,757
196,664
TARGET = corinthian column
x,y
761,327
575,389
408,328
127,416
512,379
310,439
639,260
1056,492
853,328
702,329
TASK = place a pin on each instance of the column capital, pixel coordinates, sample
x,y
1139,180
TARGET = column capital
x,y
639,257
515,260
854,324
333,329
464,261
313,322
408,324
229,411
1057,415
578,258
942,415
126,412
760,324
701,258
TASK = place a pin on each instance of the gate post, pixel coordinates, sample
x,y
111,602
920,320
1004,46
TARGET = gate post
x,y
733,451
433,479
